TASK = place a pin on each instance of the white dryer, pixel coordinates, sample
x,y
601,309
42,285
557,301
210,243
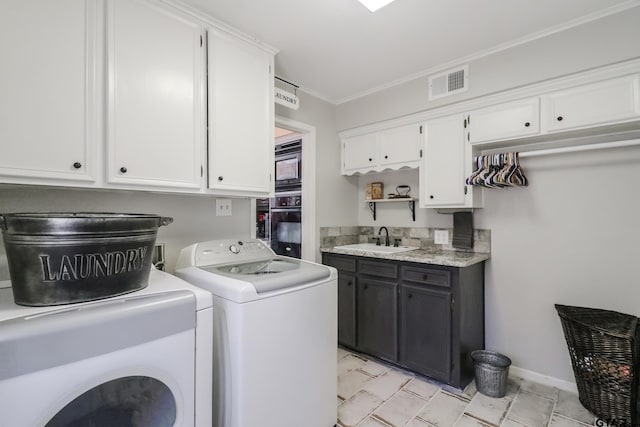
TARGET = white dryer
x,y
275,334
127,361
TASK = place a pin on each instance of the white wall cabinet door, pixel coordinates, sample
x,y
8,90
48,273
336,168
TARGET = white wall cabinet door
x,y
400,146
442,173
504,121
241,117
606,102
392,148
360,153
155,96
47,99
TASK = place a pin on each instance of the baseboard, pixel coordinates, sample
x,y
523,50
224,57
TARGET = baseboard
x,y
543,379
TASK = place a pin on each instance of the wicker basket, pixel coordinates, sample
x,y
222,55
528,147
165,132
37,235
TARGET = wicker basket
x,y
491,372
603,346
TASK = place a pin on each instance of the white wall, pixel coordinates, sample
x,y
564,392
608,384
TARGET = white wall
x,y
572,236
193,215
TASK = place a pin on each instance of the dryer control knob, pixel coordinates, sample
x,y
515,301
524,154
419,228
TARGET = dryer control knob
x,y
234,249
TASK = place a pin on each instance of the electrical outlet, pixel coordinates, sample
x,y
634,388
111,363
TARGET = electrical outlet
x,y
223,207
441,237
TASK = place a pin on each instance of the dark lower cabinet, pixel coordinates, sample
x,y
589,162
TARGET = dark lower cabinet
x,y
425,331
422,317
377,320
347,286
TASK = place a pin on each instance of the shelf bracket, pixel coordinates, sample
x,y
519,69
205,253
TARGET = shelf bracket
x,y
372,207
412,208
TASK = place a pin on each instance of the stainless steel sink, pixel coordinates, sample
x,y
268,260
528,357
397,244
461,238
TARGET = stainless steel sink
x,y
372,247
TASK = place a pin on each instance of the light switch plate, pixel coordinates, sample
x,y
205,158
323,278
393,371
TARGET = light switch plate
x,y
441,237
223,207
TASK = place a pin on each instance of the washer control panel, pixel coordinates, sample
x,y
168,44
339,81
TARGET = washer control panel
x,y
217,252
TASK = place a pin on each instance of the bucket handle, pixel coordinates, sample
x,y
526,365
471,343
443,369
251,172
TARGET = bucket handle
x,y
165,220
3,222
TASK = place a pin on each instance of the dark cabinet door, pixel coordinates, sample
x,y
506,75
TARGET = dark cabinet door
x,y
347,309
425,331
377,314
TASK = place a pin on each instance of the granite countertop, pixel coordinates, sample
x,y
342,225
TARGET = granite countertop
x,y
436,257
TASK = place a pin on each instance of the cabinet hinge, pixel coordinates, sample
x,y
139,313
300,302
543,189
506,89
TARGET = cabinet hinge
x,y
465,190
421,153
200,40
464,123
201,171
469,136
420,129
469,120
452,302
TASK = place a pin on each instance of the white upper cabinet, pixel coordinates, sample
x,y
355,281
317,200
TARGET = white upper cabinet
x,y
509,120
47,97
241,116
155,95
442,172
360,153
607,102
401,146
392,148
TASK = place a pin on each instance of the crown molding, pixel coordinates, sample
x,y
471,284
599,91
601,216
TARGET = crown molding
x,y
629,4
208,20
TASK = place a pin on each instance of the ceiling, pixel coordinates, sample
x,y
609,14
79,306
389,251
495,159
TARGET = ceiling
x,y
337,50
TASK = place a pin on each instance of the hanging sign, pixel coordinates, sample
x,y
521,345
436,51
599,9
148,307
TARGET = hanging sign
x,y
287,99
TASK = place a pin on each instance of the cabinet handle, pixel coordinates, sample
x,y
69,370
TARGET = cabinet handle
x,y
527,124
77,165
560,118
123,170
220,178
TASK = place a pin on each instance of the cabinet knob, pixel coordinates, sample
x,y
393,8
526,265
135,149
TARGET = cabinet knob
x,y
370,159
348,283
560,118
220,178
386,157
366,286
123,170
431,196
77,165
424,277
410,296
527,124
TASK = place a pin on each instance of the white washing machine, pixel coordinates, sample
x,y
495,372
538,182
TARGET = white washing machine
x,y
129,360
275,334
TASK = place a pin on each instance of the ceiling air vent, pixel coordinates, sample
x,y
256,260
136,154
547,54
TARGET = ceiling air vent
x,y
449,82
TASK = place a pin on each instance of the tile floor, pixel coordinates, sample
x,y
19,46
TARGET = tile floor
x,y
372,394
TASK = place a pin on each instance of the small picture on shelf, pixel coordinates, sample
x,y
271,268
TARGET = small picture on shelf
x,y
377,190
367,192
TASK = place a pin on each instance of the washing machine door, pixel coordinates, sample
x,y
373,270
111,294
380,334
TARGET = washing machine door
x,y
127,362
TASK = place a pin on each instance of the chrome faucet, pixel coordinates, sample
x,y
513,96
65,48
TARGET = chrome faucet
x,y
386,238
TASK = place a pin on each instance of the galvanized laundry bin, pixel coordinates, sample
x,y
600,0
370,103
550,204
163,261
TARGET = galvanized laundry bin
x,y
63,258
491,372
